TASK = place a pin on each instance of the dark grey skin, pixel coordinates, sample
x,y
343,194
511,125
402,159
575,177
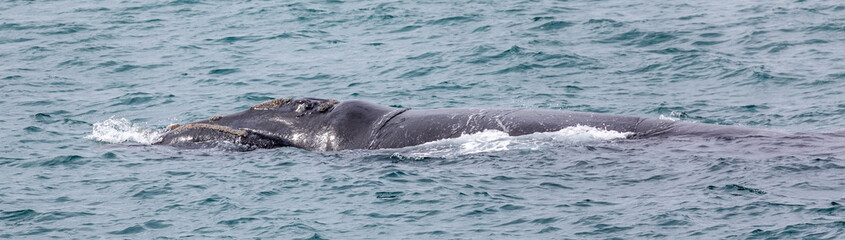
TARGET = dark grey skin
x,y
325,125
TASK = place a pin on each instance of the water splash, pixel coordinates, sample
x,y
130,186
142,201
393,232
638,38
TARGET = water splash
x,y
119,130
673,116
581,133
670,118
495,141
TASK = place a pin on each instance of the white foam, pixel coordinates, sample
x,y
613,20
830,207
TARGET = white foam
x,y
494,141
673,116
582,133
486,141
663,117
118,130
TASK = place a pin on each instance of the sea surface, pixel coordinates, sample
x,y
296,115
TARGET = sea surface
x,y
87,86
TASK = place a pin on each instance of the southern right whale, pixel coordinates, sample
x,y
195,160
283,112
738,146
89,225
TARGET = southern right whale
x,y
325,124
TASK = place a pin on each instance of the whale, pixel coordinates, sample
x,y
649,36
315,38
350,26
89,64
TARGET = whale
x,y
328,125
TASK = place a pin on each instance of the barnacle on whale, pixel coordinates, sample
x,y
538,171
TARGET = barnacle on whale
x,y
272,103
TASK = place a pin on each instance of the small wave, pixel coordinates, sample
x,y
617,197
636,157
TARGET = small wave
x,y
674,116
495,141
553,25
670,118
118,130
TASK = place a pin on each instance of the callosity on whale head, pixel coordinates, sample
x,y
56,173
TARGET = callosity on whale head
x,y
302,123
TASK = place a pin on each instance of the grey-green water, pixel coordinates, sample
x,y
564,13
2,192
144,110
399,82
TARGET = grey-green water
x,y
134,67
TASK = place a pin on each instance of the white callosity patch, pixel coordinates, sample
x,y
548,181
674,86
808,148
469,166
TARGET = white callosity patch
x,y
300,108
118,130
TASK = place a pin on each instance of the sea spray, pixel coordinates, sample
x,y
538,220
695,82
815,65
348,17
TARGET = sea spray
x,y
119,130
495,141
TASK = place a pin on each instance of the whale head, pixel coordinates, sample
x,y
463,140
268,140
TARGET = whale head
x,y
302,123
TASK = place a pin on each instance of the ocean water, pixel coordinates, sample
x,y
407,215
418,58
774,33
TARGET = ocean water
x,y
88,85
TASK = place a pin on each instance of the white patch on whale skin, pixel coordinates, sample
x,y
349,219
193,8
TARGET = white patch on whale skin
x,y
300,108
297,138
327,140
282,121
322,140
